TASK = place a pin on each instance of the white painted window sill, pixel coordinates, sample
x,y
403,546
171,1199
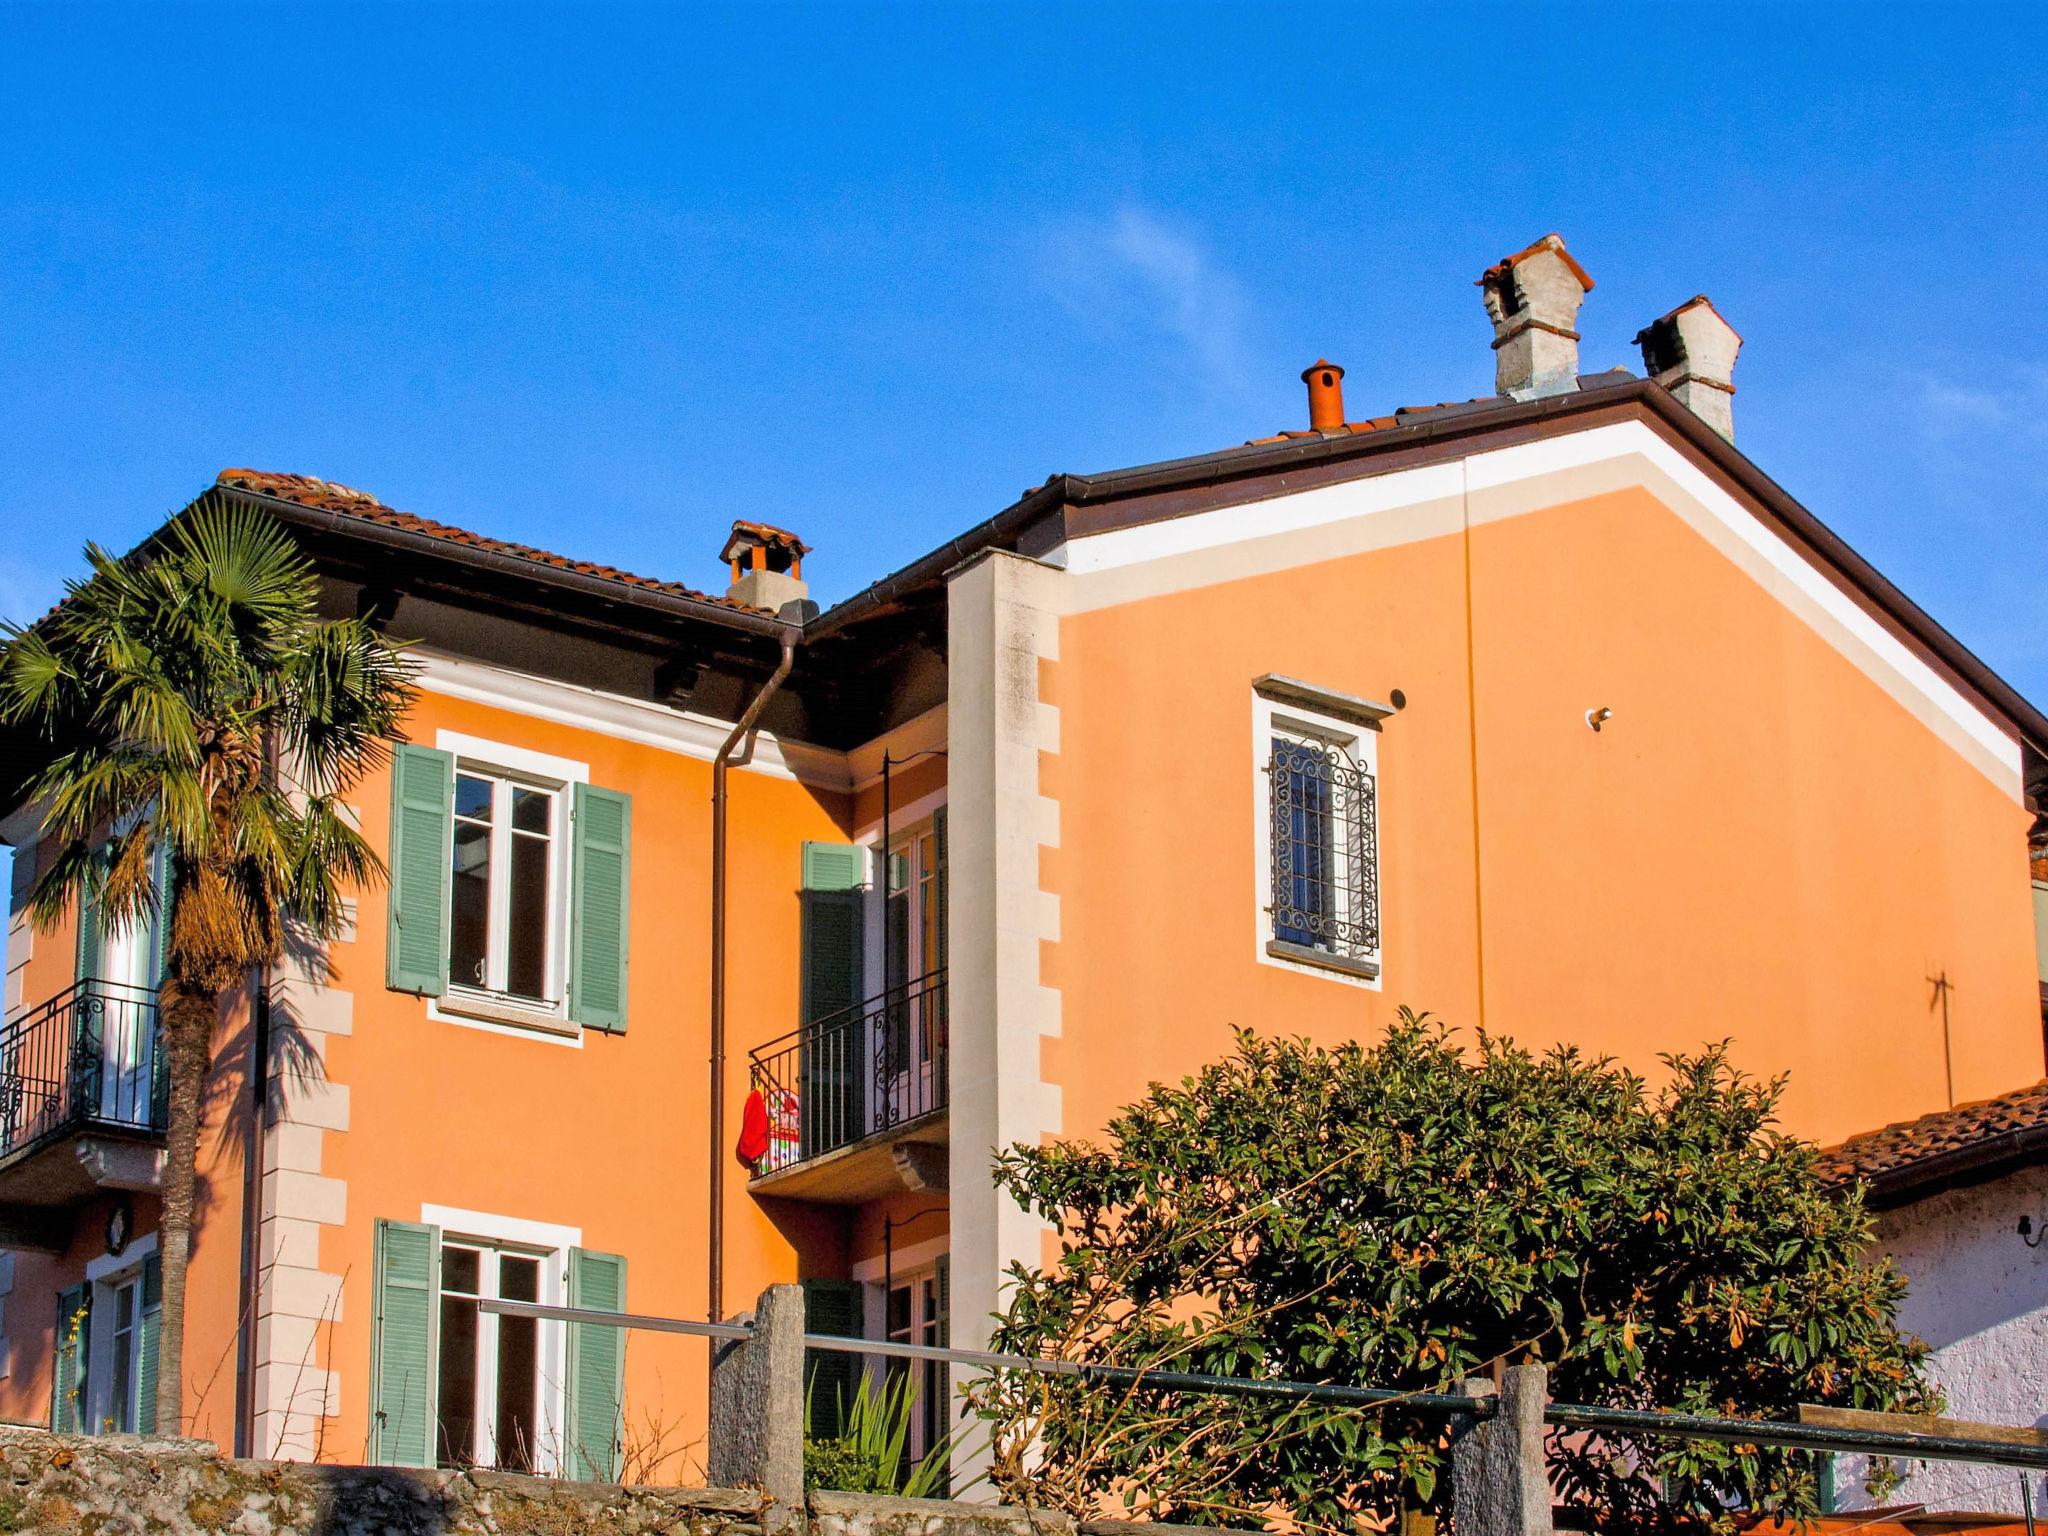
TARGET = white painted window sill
x,y
494,1010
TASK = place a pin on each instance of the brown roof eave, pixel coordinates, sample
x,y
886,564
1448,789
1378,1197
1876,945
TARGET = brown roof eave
x,y
407,541
1962,1166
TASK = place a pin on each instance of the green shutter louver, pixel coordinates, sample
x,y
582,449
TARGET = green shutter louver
x,y
600,879
403,1343
149,1329
597,1369
834,866
160,874
422,824
89,938
831,1307
68,1370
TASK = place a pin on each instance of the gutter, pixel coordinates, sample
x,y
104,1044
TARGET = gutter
x,y
719,765
1978,1163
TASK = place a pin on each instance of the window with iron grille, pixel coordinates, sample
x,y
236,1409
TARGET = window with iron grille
x,y
1322,882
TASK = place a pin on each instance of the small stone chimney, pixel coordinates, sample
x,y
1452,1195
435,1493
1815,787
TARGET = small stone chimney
x,y
1533,299
767,566
1325,381
1691,352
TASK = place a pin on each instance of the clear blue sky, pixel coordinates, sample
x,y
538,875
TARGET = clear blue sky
x,y
603,279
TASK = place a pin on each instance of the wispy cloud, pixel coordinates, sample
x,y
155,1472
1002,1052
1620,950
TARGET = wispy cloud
x,y
1136,268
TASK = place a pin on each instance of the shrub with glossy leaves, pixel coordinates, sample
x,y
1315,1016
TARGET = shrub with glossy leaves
x,y
1401,1216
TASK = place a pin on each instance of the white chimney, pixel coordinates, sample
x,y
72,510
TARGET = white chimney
x,y
1691,352
1533,299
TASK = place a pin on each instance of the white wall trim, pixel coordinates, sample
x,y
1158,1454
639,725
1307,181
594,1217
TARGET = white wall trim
x,y
128,1258
455,1221
486,753
1433,501
626,719
906,1261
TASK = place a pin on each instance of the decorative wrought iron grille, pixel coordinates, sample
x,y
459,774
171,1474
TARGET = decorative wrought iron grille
x,y
1326,880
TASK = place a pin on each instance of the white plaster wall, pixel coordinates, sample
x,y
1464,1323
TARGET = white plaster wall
x,y
1980,1297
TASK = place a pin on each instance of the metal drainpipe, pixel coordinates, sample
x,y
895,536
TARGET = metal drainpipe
x,y
716,1295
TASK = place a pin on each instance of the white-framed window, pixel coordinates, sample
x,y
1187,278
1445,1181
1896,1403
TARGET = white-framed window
x,y
490,1404
509,887
1315,768
120,1317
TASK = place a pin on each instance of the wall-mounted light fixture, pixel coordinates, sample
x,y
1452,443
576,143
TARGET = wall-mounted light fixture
x,y
2027,1233
1599,717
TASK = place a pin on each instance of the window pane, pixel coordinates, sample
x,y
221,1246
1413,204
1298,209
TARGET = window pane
x,y
459,1270
457,1418
526,941
470,910
518,1365
530,809
472,797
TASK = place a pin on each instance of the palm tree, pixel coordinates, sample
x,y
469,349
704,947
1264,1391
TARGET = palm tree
x,y
190,696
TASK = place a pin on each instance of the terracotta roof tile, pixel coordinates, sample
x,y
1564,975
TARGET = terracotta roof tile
x,y
329,496
1949,1141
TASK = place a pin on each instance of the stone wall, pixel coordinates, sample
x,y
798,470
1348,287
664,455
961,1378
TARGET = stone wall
x,y
126,1487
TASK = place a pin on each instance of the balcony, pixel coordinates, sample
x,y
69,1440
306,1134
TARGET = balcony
x,y
857,1100
82,1104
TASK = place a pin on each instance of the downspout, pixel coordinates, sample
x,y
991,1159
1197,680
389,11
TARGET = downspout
x,y
716,1290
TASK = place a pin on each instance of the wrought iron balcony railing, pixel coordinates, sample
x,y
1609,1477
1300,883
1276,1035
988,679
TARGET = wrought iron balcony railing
x,y
89,1058
854,1074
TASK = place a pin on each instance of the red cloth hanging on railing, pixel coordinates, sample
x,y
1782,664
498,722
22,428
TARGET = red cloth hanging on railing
x,y
753,1142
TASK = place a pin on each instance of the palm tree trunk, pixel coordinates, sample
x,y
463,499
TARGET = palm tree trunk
x,y
188,1020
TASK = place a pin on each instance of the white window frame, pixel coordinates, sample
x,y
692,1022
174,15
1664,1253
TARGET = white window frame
x,y
484,1007
1285,704
106,1275
530,1239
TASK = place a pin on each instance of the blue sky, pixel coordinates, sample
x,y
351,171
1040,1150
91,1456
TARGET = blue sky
x,y
603,278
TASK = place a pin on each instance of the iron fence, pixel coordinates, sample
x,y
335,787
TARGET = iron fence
x,y
854,1074
89,1057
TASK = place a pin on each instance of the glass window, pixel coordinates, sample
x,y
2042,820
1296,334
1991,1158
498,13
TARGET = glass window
x,y
121,1397
1324,844
489,1366
504,900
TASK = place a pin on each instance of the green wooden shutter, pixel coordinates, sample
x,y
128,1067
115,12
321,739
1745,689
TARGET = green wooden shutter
x,y
68,1373
597,1369
149,1330
831,1377
160,873
404,1366
88,968
831,1064
944,1269
600,879
422,826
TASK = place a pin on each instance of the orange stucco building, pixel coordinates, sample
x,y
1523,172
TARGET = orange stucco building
x,y
1548,712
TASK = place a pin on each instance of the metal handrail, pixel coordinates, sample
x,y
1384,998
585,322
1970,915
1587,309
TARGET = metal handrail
x,y
1579,1416
854,1073
89,1056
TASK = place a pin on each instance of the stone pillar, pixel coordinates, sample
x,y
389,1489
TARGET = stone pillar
x,y
757,1408
1499,1485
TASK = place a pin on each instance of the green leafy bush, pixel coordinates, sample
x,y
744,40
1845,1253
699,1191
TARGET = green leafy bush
x,y
1400,1216
869,1456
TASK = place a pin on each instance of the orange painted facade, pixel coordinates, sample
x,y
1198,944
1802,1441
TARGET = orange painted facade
x,y
1796,827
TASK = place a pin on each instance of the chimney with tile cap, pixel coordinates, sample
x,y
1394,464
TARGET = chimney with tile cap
x,y
1325,381
1691,352
1533,299
767,566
